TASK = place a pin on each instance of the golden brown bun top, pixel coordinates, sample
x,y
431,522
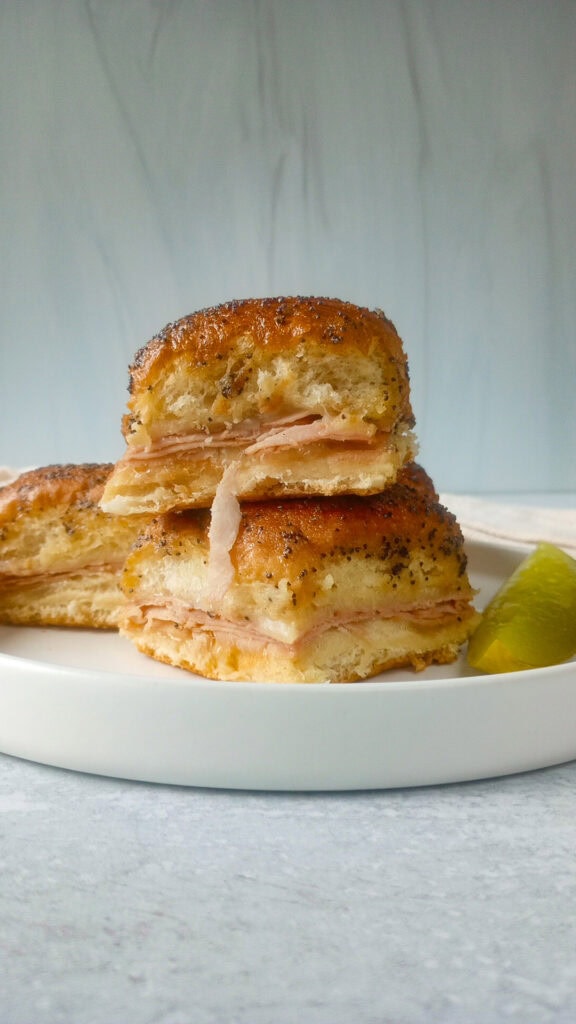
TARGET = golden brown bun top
x,y
290,538
275,324
72,485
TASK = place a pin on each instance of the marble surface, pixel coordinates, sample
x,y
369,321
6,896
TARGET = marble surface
x,y
159,156
155,905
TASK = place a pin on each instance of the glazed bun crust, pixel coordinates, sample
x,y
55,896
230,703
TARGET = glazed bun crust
x,y
274,324
300,556
68,485
267,359
60,554
324,588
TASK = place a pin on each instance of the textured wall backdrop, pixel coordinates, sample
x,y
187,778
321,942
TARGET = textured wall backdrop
x,y
157,156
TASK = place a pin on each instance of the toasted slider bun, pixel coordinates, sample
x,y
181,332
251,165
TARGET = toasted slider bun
x,y
324,589
288,396
60,555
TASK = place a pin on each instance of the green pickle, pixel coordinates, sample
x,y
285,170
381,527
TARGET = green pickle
x,y
531,620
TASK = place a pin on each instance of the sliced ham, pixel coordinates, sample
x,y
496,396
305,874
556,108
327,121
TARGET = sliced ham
x,y
254,435
247,635
224,523
324,429
32,579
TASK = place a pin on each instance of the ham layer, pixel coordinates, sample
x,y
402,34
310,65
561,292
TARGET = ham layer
x,y
254,436
34,579
249,636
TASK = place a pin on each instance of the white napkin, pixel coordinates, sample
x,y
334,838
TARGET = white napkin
x,y
8,474
483,519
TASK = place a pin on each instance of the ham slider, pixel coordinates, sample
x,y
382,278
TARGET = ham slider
x,y
260,399
60,554
323,589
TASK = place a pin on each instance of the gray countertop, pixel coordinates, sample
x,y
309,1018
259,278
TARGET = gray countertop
x,y
129,903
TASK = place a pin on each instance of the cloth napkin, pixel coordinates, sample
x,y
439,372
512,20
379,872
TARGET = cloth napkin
x,y
8,474
503,522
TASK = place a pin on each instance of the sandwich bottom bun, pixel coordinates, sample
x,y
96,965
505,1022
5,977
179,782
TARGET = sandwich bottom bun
x,y
87,598
338,655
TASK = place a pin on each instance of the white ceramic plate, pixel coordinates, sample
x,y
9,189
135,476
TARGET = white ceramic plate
x,y
90,702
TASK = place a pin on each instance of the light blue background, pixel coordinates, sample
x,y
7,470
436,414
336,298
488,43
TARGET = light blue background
x,y
160,156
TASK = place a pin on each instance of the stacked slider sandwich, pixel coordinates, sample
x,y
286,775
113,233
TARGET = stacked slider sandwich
x,y
293,538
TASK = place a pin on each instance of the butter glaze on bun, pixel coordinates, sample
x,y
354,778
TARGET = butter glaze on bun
x,y
60,554
293,396
324,589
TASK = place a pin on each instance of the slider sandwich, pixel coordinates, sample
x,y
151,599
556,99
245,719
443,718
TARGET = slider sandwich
x,y
60,554
260,399
322,589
